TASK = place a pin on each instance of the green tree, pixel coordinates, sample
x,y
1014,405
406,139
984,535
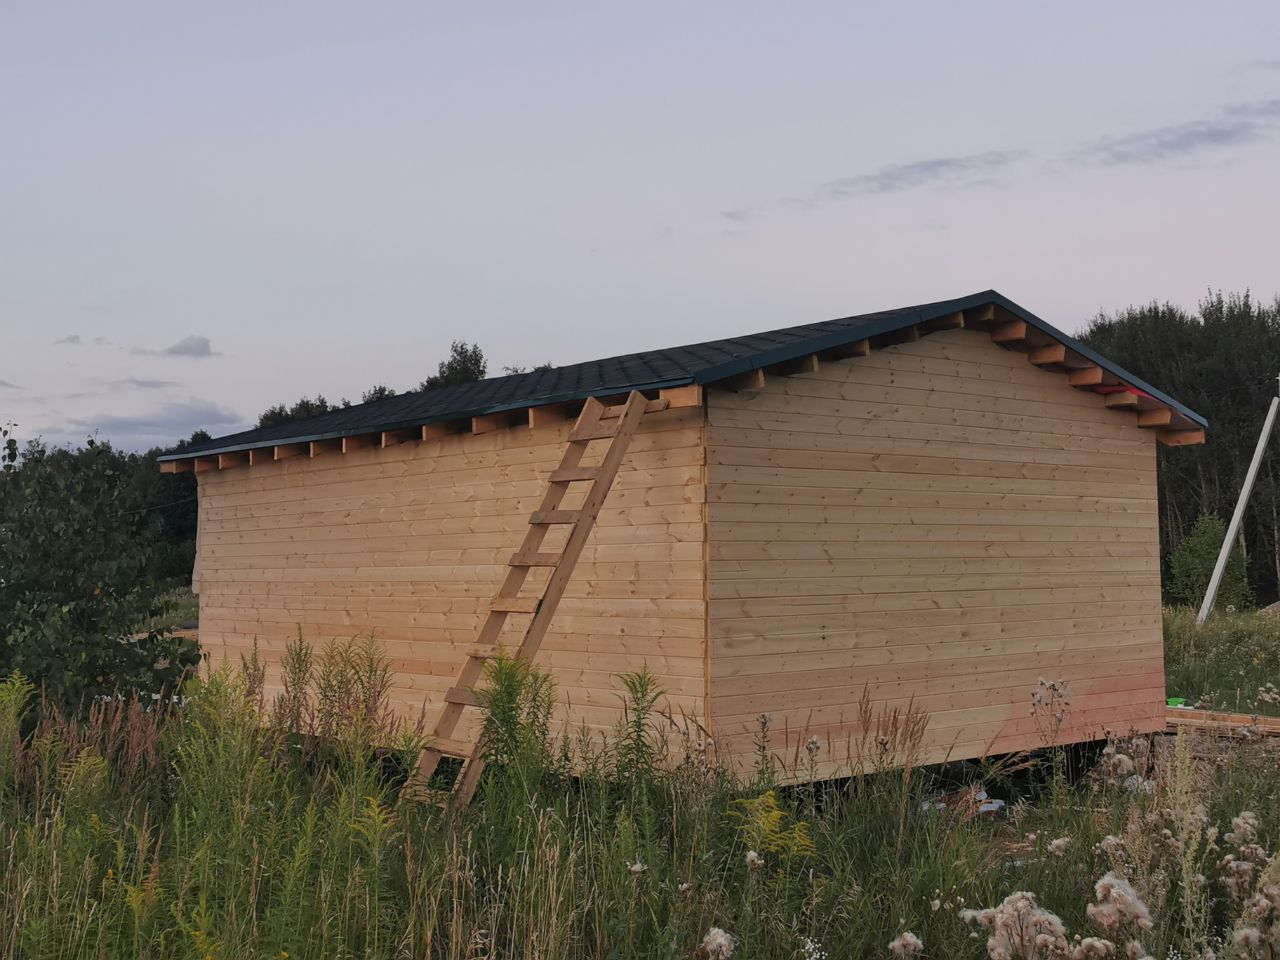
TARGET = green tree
x,y
466,363
76,538
1191,566
281,414
378,392
1221,362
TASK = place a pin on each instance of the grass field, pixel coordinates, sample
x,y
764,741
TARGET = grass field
x,y
1231,663
234,828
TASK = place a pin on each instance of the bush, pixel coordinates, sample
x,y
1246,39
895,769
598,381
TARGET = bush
x,y
1191,567
74,587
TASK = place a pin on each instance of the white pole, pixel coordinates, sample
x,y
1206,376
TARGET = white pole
x,y
1229,541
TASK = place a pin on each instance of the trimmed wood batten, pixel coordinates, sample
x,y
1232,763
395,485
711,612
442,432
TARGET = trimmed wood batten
x,y
1082,373
551,414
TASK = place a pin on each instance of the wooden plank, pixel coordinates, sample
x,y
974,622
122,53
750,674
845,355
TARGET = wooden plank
x,y
461,696
319,447
1048,355
442,429
499,421
1159,417
205,464
1179,438
530,559
260,456
177,466
573,474
515,604
1015,331
1121,401
554,516
228,460
1090,376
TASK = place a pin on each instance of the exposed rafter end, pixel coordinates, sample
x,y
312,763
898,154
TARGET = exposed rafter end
x,y
1180,438
228,460
445,428
177,466
790,368
1054,353
1122,400
260,456
318,447
858,348
894,337
552,414
982,317
1090,376
689,395
489,422
360,441
751,380
1160,417
1015,331
205,464
286,450
952,321
393,438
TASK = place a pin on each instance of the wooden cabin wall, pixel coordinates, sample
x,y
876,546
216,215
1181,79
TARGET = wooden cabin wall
x,y
408,544
938,523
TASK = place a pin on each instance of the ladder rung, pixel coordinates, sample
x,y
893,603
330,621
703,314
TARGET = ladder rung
x,y
450,748
481,651
461,695
515,604
568,474
554,516
534,560
597,432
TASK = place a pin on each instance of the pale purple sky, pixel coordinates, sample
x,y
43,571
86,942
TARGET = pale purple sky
x,y
209,208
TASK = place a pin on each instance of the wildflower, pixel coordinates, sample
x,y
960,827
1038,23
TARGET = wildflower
x,y
1058,848
935,905
754,860
685,887
1093,948
1118,905
716,945
811,949
1244,829
637,868
1020,920
813,745
1111,845
906,945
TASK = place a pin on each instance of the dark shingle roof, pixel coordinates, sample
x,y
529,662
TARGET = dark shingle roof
x,y
650,370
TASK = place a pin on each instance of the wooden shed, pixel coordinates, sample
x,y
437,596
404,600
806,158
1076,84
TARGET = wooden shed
x,y
938,504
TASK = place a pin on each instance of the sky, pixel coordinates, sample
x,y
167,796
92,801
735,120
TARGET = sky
x,y
206,209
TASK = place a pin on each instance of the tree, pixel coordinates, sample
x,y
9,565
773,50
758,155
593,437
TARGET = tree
x,y
378,392
1221,363
281,414
1191,567
76,540
465,364
536,368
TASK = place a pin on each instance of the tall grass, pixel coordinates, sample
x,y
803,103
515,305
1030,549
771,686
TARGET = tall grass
x,y
233,827
1231,663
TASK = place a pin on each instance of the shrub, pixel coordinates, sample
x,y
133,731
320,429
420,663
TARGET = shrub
x,y
1191,567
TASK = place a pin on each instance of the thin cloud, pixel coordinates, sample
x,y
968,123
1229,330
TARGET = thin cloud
x,y
70,340
194,346
140,383
158,427
1237,124
6,385
943,171
1266,64
975,169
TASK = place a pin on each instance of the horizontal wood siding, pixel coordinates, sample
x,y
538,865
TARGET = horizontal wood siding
x,y
410,542
938,523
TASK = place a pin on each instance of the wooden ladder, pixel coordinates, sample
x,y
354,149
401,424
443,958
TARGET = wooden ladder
x,y
617,424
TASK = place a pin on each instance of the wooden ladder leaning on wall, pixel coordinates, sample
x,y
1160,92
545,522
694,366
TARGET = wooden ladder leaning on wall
x,y
617,424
